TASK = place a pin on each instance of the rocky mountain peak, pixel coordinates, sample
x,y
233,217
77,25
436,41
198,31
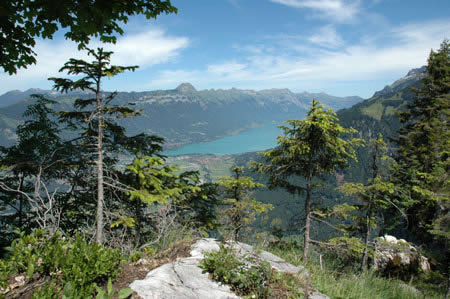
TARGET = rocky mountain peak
x,y
417,71
185,88
412,76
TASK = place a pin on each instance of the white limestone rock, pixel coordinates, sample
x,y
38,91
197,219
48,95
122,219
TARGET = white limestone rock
x,y
184,278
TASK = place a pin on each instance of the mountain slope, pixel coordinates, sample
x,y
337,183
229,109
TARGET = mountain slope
x,y
376,114
185,115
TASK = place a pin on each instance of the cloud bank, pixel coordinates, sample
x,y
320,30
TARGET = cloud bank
x,y
294,61
145,49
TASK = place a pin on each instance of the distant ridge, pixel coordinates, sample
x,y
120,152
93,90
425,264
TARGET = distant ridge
x,y
185,115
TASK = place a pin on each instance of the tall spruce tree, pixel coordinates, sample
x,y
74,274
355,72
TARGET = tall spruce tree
x,y
95,115
372,196
309,149
421,172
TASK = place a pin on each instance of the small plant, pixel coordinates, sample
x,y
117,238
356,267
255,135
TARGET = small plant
x,y
72,263
109,294
49,290
248,276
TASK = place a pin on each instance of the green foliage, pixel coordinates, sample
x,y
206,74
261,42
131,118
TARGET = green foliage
x,y
160,186
95,119
248,277
38,146
110,293
310,148
73,261
49,290
238,208
4,272
158,182
25,20
372,198
421,171
345,251
85,265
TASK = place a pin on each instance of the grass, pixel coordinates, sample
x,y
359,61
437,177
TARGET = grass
x,y
352,284
210,167
375,110
220,167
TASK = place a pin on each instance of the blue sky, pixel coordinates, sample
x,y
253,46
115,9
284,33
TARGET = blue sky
x,y
342,47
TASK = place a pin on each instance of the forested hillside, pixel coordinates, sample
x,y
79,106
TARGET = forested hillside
x,y
185,115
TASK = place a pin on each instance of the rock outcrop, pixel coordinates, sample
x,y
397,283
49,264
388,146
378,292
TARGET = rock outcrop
x,y
398,256
184,278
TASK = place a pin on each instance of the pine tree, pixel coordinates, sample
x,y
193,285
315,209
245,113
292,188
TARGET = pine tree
x,y
237,206
421,171
372,196
31,165
95,115
309,149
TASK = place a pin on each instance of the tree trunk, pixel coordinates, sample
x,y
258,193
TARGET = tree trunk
x,y
138,211
308,219
366,241
100,194
21,202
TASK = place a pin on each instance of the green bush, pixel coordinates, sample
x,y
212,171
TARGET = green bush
x,y
85,265
49,290
249,276
4,271
345,252
73,261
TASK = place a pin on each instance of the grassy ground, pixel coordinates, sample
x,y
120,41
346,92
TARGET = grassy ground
x,y
211,167
352,284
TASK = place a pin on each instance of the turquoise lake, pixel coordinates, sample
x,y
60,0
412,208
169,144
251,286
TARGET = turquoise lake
x,y
252,140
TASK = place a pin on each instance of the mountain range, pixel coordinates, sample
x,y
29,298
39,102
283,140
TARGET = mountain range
x,y
184,115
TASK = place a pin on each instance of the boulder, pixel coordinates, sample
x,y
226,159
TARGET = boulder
x,y
184,278
394,256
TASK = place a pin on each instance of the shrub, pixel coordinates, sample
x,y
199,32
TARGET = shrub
x,y
345,252
73,261
249,276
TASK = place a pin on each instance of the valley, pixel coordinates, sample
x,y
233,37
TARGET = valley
x,y
184,115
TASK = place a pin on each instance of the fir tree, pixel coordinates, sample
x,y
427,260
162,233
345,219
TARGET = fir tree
x,y
237,206
309,149
30,166
422,165
95,115
372,196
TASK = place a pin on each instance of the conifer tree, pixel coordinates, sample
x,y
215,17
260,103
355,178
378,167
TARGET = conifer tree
x,y
238,206
421,171
31,164
309,149
372,196
95,115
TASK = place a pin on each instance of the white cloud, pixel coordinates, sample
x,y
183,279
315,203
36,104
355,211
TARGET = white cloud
x,y
170,79
144,49
147,48
337,10
226,68
327,37
299,67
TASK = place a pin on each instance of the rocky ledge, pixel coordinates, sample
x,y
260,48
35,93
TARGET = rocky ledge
x,y
184,278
